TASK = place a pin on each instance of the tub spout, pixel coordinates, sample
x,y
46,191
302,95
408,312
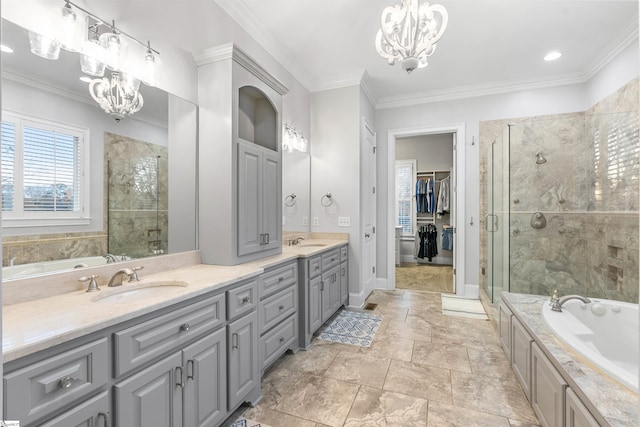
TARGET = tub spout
x,y
556,305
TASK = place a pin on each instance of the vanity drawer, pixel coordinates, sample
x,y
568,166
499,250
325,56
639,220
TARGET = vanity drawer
x,y
139,344
278,279
344,253
315,266
37,390
330,260
242,299
276,341
275,308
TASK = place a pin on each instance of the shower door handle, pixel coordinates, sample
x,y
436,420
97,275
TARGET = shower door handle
x,y
494,223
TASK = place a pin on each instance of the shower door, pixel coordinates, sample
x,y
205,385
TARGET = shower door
x,y
497,217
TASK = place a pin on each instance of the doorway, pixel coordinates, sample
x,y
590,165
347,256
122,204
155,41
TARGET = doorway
x,y
457,132
424,212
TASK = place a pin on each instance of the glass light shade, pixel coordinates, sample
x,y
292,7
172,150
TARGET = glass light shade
x,y
152,69
43,46
129,83
69,32
91,58
115,47
117,96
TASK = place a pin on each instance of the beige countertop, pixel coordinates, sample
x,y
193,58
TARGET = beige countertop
x,y
35,325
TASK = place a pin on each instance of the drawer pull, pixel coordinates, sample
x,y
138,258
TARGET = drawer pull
x,y
317,267
234,340
281,308
104,415
245,300
180,377
65,382
281,339
280,279
185,327
191,376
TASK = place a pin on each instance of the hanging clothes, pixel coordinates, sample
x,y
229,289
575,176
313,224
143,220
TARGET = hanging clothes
x,y
447,238
426,242
430,196
421,196
443,198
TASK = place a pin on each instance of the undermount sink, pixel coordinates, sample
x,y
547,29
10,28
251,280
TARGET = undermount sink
x,y
306,245
130,291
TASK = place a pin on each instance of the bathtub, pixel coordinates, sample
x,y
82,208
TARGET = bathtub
x,y
26,270
604,332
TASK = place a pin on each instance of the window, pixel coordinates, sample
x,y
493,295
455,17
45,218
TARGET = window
x,y
42,173
405,188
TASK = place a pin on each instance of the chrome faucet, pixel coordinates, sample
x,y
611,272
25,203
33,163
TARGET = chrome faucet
x,y
110,258
557,303
295,241
116,279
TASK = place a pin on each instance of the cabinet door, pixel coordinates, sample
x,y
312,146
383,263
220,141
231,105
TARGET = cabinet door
x,y
272,193
505,329
249,200
335,292
205,390
521,355
330,293
243,361
152,397
577,415
91,413
315,304
344,283
547,390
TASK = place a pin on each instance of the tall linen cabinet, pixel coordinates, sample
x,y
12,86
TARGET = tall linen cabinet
x,y
240,159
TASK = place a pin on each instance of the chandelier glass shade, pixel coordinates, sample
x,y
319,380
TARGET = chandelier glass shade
x,y
409,32
118,95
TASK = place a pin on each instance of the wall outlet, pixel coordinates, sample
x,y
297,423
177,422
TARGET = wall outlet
x,y
344,221
316,221
305,220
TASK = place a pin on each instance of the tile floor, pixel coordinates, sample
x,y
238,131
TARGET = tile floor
x,y
423,369
424,277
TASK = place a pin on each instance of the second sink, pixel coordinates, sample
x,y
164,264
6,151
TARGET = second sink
x,y
129,292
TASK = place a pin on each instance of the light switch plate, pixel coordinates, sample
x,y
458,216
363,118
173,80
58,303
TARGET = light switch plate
x,y
344,221
316,221
305,220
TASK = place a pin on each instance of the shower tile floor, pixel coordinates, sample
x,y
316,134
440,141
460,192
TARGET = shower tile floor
x,y
423,369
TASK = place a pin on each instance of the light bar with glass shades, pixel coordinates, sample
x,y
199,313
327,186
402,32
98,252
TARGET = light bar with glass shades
x,y
293,140
409,32
101,46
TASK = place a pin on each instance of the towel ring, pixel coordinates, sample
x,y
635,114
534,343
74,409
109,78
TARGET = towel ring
x,y
326,200
290,200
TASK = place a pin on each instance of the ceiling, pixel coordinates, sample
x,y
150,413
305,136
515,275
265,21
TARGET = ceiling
x,y
488,45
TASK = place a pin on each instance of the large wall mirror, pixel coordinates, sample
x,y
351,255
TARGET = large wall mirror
x,y
135,195
296,187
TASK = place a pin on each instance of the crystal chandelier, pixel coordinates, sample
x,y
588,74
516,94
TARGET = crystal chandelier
x,y
118,96
409,32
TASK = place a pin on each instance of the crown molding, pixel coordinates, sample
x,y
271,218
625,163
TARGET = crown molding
x,y
473,91
366,83
628,35
46,86
246,19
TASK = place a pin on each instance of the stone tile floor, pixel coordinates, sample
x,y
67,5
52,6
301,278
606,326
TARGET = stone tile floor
x,y
423,369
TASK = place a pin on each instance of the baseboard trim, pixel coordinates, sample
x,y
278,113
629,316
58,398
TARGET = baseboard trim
x,y
471,291
357,300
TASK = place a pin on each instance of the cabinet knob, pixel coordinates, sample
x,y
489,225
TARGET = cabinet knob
x,y
280,279
185,327
65,382
281,308
281,339
245,300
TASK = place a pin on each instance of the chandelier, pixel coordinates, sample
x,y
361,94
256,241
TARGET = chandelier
x,y
101,46
118,96
409,32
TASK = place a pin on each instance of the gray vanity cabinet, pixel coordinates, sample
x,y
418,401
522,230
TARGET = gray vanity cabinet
x,y
322,290
243,372
152,397
577,415
91,413
521,355
344,276
547,390
259,183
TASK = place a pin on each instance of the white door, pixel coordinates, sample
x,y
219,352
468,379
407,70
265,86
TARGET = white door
x,y
368,207
452,208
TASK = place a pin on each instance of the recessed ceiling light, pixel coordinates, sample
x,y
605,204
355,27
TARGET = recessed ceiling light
x,y
5,49
552,56
86,79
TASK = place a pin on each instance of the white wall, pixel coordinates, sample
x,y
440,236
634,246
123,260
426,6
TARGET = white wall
x,y
432,152
622,68
20,98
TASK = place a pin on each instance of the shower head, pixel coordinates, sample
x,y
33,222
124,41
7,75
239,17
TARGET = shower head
x,y
540,158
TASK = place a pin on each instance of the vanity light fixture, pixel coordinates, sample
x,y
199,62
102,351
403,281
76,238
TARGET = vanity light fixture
x,y
43,46
69,32
409,32
293,140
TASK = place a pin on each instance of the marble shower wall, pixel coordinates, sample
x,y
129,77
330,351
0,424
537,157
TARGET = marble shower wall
x,y
49,247
588,193
137,196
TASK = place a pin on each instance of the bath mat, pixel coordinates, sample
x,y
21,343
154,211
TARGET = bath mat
x,y
351,327
453,305
243,422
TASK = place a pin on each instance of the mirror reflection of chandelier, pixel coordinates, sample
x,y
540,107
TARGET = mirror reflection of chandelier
x,y
118,96
101,46
409,32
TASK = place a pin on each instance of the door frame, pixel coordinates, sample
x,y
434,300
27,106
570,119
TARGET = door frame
x,y
367,127
459,237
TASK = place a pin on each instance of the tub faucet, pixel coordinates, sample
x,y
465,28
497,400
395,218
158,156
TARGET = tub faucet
x,y
116,279
110,258
557,303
